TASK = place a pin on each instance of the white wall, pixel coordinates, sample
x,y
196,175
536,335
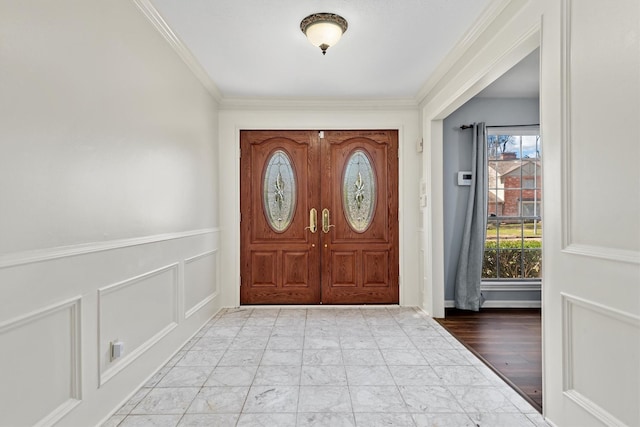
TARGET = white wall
x,y
457,157
590,90
330,116
591,270
108,207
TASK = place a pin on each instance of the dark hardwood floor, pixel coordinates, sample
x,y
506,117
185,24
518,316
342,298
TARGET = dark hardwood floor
x,y
509,341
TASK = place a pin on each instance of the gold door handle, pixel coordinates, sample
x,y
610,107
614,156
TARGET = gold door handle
x,y
313,221
326,220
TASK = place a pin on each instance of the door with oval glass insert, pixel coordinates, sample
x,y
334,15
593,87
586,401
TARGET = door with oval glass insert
x,y
360,263
319,220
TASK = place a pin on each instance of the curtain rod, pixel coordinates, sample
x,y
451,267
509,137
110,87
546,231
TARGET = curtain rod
x,y
501,126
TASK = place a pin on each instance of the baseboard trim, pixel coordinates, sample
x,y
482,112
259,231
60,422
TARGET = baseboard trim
x,y
148,378
502,304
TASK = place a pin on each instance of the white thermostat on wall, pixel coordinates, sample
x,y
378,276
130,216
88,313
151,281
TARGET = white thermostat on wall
x,y
464,178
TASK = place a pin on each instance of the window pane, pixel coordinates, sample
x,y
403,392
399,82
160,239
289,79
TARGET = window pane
x,y
531,209
279,191
359,191
490,264
510,232
532,263
492,231
514,226
512,202
533,230
509,263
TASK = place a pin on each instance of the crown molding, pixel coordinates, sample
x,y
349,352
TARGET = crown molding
x,y
315,104
484,21
152,14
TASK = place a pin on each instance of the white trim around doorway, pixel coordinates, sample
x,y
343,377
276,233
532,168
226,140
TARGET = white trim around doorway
x,y
405,121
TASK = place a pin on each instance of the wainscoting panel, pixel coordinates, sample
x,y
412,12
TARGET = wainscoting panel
x,y
120,306
40,365
587,24
130,290
598,339
200,281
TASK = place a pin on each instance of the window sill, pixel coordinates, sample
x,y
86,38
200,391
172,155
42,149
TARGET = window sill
x,y
533,285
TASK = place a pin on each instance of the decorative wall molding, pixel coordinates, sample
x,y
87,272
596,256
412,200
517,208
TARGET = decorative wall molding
x,y
568,304
568,244
193,310
611,254
594,409
107,374
41,255
188,312
61,411
73,305
152,14
197,257
565,143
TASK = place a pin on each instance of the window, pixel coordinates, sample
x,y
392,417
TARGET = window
x,y
513,249
530,208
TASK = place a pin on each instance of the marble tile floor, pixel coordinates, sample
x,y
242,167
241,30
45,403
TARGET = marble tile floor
x,y
368,366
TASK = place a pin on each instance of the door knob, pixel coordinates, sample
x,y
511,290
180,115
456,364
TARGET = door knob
x,y
326,221
313,221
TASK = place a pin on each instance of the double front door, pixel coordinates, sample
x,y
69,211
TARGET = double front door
x,y
319,217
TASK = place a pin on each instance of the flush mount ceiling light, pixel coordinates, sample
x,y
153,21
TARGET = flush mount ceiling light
x,y
323,29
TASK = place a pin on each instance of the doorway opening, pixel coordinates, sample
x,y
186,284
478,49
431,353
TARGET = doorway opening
x,y
319,217
511,281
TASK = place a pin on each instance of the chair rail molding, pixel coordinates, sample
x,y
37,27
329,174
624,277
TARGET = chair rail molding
x,y
41,255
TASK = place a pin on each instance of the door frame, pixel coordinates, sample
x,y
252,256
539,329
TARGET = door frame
x,y
433,120
400,116
498,57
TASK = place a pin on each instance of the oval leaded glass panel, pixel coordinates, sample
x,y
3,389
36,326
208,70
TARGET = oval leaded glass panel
x,y
279,191
359,191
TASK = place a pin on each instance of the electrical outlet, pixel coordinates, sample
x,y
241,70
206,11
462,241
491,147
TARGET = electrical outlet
x,y
117,350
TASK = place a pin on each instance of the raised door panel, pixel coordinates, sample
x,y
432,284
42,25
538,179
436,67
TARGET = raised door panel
x,y
264,268
344,269
296,269
375,268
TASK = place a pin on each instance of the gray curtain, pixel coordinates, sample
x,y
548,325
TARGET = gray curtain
x,y
469,272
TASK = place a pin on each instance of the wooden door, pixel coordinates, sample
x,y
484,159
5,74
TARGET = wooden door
x,y
280,260
360,191
350,179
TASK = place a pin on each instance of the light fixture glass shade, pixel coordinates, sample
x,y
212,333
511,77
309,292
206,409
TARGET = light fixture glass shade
x,y
324,29
324,33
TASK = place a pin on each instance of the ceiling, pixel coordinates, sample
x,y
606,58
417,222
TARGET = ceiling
x,y
521,81
255,49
